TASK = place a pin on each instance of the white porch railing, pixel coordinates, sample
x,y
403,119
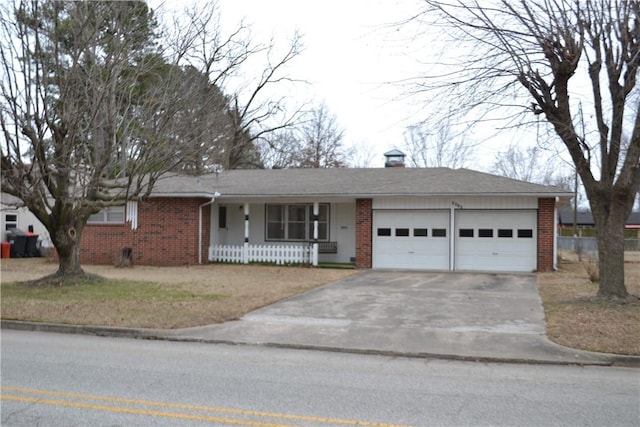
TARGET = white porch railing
x,y
279,254
226,253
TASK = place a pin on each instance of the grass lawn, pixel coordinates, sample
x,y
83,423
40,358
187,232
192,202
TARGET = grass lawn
x,y
176,297
153,297
575,319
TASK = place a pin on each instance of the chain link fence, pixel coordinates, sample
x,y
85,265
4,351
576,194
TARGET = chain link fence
x,y
589,245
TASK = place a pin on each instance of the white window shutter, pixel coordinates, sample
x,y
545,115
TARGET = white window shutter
x,y
132,214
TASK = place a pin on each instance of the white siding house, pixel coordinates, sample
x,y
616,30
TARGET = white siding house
x,y
14,215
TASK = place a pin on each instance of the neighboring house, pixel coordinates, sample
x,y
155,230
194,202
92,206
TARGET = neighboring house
x,y
384,218
14,215
584,221
633,222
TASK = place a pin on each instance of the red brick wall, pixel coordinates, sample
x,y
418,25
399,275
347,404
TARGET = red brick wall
x,y
364,225
545,233
167,234
206,231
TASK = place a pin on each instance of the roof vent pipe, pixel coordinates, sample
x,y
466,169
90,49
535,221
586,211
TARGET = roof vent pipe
x,y
394,159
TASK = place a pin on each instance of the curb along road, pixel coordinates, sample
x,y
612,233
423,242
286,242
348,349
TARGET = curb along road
x,y
603,359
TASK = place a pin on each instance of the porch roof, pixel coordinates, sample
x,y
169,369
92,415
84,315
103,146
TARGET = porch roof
x,y
351,183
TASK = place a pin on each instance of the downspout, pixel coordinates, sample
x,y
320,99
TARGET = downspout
x,y
213,199
555,234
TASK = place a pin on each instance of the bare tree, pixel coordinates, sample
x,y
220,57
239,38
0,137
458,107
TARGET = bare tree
x,y
93,111
524,163
321,141
86,112
361,155
283,150
202,123
544,54
315,142
436,148
254,113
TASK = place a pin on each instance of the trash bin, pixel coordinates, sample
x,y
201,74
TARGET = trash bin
x,y
6,249
18,241
31,249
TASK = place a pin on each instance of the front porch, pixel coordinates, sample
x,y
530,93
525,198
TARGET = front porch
x,y
299,232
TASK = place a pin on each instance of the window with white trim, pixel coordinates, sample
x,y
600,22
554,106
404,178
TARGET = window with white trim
x,y
10,221
110,215
295,222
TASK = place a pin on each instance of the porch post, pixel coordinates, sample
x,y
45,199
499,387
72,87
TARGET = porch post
x,y
452,237
314,254
245,254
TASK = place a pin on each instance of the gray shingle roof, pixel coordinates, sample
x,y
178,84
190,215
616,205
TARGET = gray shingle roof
x,y
350,182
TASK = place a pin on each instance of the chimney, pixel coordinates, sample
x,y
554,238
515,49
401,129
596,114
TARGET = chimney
x,y
394,159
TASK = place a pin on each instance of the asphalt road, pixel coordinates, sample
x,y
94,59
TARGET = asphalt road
x,y
73,380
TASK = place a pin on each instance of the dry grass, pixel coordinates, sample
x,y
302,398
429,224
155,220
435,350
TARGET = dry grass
x,y
217,293
575,318
154,297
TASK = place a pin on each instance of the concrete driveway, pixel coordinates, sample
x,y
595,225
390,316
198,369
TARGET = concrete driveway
x,y
454,315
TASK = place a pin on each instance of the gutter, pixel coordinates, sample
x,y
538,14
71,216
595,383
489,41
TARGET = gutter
x,y
213,199
265,196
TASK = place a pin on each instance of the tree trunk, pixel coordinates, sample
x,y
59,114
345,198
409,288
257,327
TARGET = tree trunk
x,y
67,244
610,235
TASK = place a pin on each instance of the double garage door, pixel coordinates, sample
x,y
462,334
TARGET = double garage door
x,y
482,240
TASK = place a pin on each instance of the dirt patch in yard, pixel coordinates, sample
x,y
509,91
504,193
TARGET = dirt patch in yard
x,y
219,293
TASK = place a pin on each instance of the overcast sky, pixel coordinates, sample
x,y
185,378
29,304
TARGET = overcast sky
x,y
353,53
349,56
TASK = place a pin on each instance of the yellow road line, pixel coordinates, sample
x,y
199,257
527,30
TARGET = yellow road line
x,y
134,411
241,412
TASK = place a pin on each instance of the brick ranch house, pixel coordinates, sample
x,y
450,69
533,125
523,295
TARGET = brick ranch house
x,y
382,218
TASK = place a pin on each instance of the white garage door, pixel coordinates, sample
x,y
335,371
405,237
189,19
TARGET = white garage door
x,y
411,239
495,240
